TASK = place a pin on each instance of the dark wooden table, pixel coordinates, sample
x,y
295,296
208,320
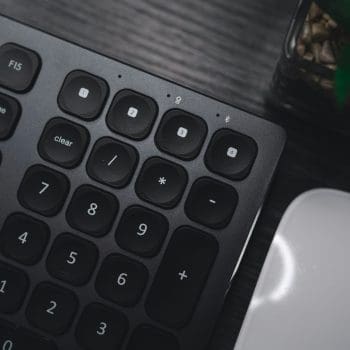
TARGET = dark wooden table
x,y
227,49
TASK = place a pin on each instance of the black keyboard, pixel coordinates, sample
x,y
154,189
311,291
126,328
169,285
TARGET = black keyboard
x,y
126,200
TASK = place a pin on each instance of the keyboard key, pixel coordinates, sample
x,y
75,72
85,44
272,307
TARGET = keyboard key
x,y
22,339
100,327
13,288
92,211
231,154
121,280
211,203
161,183
83,95
112,162
24,239
181,134
147,337
72,259
19,67
10,111
43,190
181,277
8,339
51,308
29,340
132,114
63,143
142,231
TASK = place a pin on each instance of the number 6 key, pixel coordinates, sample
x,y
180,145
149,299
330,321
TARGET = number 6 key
x,y
121,280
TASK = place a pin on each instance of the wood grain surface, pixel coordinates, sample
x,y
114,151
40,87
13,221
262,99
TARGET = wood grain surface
x,y
227,49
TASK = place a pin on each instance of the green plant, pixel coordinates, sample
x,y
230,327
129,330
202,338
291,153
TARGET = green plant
x,y
340,12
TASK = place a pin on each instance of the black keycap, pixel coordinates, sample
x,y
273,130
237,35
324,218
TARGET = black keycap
x,y
22,339
8,339
29,340
83,95
112,162
181,277
13,288
211,203
10,111
51,308
231,154
132,114
121,280
147,337
43,190
161,183
92,211
19,67
181,134
100,327
72,259
142,231
24,239
63,143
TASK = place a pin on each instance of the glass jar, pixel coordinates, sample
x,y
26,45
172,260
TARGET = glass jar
x,y
304,81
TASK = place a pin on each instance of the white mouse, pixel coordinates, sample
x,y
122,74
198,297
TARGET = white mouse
x,y
302,299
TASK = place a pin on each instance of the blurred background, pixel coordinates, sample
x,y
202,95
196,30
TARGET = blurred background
x,y
224,48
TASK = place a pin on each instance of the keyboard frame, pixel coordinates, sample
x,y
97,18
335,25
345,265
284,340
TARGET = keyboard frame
x,y
60,57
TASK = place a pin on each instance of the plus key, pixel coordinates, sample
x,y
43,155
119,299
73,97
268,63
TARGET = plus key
x,y
181,277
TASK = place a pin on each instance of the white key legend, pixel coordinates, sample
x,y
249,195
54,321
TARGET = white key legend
x,y
182,132
232,152
183,275
162,180
133,112
84,93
